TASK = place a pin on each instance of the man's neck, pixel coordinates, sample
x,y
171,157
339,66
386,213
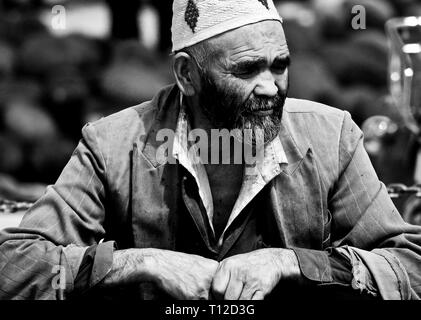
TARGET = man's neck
x,y
198,120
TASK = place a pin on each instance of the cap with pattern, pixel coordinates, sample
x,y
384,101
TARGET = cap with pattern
x,y
198,20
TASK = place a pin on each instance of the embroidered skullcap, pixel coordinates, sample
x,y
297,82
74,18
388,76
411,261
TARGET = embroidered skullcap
x,y
198,20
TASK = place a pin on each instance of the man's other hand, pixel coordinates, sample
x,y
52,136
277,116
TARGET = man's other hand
x,y
183,276
253,275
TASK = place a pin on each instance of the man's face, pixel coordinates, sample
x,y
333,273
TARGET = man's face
x,y
246,86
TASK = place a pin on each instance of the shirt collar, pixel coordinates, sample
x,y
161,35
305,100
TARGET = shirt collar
x,y
255,177
182,151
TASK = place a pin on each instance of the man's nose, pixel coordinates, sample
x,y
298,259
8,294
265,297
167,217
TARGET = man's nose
x,y
266,85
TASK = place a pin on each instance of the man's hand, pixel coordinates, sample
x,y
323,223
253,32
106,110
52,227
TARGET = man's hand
x,y
253,275
183,276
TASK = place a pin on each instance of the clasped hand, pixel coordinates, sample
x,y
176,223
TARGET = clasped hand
x,y
249,276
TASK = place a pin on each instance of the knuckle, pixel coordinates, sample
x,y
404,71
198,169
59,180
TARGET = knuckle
x,y
231,263
218,288
202,294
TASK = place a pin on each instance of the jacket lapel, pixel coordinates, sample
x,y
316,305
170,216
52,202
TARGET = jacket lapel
x,y
296,196
155,185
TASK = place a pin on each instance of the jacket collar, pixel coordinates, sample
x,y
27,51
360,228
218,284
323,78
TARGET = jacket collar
x,y
295,153
166,108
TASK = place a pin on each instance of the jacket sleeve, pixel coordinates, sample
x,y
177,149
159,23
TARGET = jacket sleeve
x,y
367,228
41,258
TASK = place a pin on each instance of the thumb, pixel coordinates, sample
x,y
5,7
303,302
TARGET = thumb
x,y
220,284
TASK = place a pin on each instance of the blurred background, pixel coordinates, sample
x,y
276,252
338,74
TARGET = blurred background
x,y
59,70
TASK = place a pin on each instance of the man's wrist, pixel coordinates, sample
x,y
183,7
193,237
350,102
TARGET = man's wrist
x,y
155,265
130,266
288,265
150,261
146,264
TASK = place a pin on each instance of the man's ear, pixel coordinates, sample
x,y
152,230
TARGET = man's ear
x,y
186,74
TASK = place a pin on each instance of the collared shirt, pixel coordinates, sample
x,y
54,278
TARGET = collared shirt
x,y
255,177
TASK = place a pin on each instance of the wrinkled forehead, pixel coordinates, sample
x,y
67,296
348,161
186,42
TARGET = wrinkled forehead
x,y
265,37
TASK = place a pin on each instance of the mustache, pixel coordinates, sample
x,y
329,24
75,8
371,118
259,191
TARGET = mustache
x,y
263,104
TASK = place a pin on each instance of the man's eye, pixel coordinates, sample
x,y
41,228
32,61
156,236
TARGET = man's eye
x,y
245,73
279,68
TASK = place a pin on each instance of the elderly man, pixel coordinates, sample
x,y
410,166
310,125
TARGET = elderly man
x,y
308,217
